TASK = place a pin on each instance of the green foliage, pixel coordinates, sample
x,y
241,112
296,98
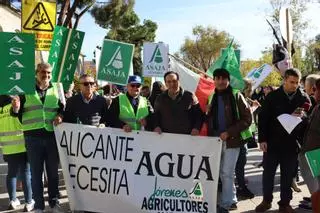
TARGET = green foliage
x,y
297,10
72,9
80,5
115,14
312,56
123,24
274,79
205,46
248,65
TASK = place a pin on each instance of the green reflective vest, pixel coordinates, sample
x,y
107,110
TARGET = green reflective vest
x,y
37,115
11,134
127,114
245,134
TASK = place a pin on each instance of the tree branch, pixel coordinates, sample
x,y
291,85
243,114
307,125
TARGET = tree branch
x,y
203,64
63,11
70,13
78,16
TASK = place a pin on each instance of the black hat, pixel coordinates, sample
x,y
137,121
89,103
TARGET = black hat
x,y
221,72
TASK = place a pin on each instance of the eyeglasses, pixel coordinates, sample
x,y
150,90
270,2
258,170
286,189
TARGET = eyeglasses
x,y
88,83
135,85
45,72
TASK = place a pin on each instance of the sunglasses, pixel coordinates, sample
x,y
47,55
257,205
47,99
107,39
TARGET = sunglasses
x,y
88,83
135,85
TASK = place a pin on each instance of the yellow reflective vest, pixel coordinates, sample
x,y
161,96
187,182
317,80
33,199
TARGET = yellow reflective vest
x,y
11,133
127,114
37,115
245,134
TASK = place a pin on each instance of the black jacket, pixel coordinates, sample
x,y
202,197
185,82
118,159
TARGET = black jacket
x,y
92,113
270,129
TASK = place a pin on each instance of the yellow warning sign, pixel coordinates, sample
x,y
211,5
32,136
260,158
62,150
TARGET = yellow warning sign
x,y
39,18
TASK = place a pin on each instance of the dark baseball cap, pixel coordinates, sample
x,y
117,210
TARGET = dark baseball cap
x,y
134,79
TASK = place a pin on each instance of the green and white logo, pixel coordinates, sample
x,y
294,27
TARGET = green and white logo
x,y
156,56
177,198
155,59
115,61
257,75
17,63
196,193
64,54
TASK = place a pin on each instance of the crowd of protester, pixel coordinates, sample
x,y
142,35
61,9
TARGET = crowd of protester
x,y
241,119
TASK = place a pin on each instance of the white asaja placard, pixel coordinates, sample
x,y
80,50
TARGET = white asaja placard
x,y
257,75
155,59
108,170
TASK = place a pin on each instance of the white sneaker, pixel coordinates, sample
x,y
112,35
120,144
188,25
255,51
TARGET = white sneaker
x,y
38,211
28,207
57,209
14,204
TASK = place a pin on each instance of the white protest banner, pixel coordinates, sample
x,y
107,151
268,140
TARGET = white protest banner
x,y
155,59
257,75
108,170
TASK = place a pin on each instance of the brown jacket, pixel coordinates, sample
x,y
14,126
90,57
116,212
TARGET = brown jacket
x,y
177,116
311,139
234,125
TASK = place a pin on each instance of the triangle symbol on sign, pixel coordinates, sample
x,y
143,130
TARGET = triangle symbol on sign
x,y
15,90
119,57
39,20
198,190
156,56
116,59
117,62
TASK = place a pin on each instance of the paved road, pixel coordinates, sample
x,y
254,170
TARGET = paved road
x,y
253,173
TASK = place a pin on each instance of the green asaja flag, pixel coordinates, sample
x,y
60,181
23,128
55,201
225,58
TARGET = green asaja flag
x,y
228,60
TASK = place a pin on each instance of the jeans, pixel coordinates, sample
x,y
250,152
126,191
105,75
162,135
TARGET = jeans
x,y
19,165
241,162
228,162
287,163
43,150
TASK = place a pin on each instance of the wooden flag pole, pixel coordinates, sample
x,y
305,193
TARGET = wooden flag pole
x,y
289,34
110,89
193,67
